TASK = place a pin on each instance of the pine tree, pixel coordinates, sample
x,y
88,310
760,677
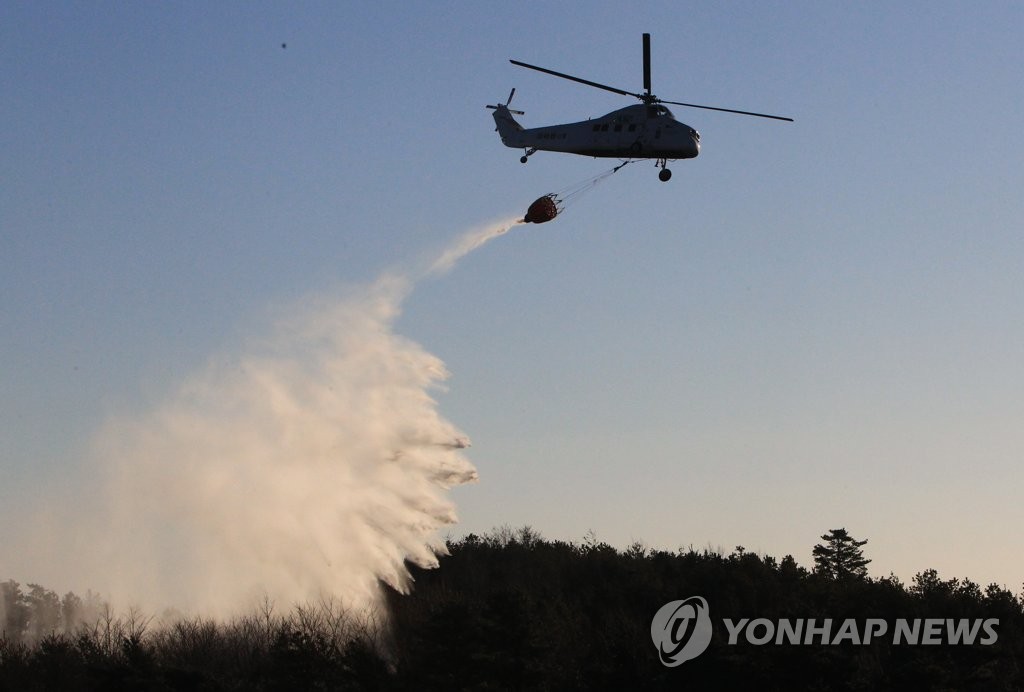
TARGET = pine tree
x,y
840,557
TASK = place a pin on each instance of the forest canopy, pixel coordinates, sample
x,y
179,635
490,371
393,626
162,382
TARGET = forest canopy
x,y
511,610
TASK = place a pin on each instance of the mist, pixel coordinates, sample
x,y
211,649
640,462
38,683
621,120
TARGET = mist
x,y
311,464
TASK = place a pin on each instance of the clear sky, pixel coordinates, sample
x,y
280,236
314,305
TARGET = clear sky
x,y
812,325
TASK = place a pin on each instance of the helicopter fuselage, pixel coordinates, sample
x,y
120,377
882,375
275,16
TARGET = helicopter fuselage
x,y
648,131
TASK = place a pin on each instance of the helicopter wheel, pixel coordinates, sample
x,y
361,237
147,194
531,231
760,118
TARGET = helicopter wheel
x,y
664,174
523,159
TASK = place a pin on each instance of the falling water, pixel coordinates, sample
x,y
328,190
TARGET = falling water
x,y
314,463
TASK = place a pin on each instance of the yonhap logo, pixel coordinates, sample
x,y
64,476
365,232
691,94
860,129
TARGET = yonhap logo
x,y
681,630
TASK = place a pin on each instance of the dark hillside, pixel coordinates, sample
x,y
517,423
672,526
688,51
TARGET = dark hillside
x,y
510,611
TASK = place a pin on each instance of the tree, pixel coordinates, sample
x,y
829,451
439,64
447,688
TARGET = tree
x,y
840,557
44,609
15,611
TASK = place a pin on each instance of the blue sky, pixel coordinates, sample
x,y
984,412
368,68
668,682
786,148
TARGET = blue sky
x,y
812,325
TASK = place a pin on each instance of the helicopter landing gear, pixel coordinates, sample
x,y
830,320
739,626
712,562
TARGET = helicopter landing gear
x,y
664,174
529,153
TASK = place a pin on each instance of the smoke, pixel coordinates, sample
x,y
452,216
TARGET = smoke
x,y
311,465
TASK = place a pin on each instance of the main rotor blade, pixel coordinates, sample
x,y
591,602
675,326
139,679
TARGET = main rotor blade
x,y
577,79
728,110
647,63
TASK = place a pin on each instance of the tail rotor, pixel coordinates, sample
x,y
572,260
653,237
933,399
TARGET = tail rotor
x,y
505,105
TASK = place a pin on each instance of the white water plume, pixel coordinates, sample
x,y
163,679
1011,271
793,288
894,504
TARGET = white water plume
x,y
465,245
312,465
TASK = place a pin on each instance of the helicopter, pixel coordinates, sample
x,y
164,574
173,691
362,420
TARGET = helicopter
x,y
647,130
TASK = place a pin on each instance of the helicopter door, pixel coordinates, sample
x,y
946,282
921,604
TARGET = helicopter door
x,y
617,136
602,135
625,135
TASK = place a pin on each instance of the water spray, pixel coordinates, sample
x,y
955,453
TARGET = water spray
x,y
312,464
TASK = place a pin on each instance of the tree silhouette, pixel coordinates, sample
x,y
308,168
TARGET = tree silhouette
x,y
840,557
509,610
